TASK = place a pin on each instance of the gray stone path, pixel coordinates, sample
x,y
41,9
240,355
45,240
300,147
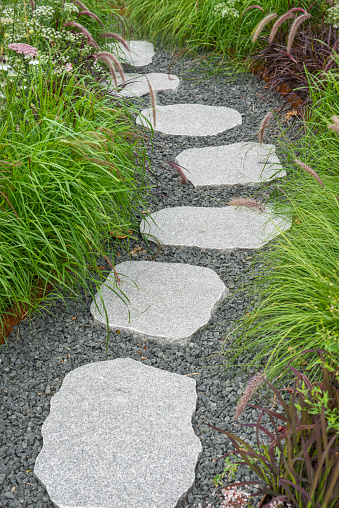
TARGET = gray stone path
x,y
191,119
233,164
119,435
168,302
137,84
212,228
141,53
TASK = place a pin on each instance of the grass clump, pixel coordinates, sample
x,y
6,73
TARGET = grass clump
x,y
69,179
296,291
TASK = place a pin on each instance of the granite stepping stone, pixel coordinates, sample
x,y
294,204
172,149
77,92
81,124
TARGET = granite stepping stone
x,y
119,435
137,85
213,228
141,53
168,302
191,119
238,163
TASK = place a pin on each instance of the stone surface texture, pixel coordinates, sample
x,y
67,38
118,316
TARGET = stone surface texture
x,y
141,53
237,163
191,119
119,435
168,302
213,228
137,84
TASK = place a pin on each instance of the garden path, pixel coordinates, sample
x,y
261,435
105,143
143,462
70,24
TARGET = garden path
x,y
119,433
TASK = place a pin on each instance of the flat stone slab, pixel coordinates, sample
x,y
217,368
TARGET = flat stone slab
x,y
137,85
168,302
119,435
141,53
238,163
213,228
191,119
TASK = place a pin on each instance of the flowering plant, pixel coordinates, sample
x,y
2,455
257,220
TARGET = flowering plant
x,y
226,9
296,460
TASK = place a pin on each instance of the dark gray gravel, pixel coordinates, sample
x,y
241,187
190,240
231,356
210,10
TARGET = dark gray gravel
x,y
62,337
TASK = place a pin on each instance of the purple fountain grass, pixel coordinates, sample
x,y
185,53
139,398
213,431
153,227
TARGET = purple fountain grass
x,y
248,203
335,125
310,171
264,125
118,38
82,6
252,7
153,101
262,25
278,24
183,178
252,386
91,15
109,64
294,28
84,31
32,4
110,56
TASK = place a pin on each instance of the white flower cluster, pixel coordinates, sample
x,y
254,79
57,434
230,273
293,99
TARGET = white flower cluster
x,y
6,21
68,7
332,15
226,9
44,11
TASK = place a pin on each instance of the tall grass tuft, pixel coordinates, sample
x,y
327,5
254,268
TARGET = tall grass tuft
x,y
67,178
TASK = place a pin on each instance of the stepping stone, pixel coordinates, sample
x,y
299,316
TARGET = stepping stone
x,y
230,164
213,228
168,302
191,119
141,53
119,435
137,85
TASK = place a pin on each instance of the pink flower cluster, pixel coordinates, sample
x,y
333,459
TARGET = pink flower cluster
x,y
24,49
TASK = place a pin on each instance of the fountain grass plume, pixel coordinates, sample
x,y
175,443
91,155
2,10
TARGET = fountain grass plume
x,y
252,386
118,38
264,125
91,15
251,203
278,24
335,125
109,64
84,31
310,171
252,7
32,4
262,25
153,101
113,58
183,178
82,6
293,30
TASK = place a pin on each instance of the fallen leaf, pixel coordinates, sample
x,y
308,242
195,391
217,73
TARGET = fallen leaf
x,y
28,470
74,317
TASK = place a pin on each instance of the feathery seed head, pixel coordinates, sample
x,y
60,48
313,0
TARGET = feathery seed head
x,y
262,25
248,203
113,59
252,7
85,32
278,24
183,177
263,126
310,171
293,30
117,38
252,386
153,101
91,15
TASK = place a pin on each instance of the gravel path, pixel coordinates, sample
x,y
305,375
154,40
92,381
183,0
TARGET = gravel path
x,y
62,337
